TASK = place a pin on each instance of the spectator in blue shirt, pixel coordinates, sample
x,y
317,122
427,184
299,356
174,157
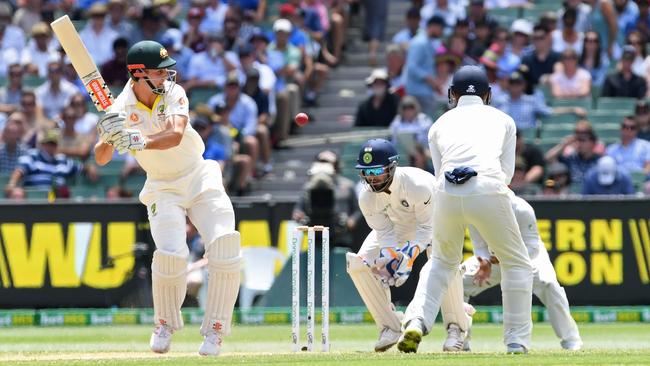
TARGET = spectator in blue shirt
x,y
11,147
632,154
420,69
44,168
525,109
404,36
239,111
607,178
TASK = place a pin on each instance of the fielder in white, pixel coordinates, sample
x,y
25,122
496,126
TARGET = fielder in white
x,y
397,205
483,272
150,119
473,153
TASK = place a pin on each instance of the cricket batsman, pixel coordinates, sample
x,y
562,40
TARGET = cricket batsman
x,y
150,119
397,205
483,271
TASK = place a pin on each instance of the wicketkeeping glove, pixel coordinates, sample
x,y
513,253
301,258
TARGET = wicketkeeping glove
x,y
394,265
110,125
129,140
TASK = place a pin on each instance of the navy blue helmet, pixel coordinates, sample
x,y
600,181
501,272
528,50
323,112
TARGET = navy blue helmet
x,y
469,80
376,163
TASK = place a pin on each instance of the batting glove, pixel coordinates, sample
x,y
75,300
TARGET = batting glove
x,y
110,125
129,140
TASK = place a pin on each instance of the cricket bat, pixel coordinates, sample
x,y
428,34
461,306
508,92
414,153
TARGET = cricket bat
x,y
83,63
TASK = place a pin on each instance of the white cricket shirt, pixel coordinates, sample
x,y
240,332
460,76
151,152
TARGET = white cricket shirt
x,y
169,163
406,213
477,136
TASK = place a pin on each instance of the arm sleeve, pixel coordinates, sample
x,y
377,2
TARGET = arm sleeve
x,y
421,194
508,151
377,221
527,222
415,61
479,244
178,103
250,126
436,157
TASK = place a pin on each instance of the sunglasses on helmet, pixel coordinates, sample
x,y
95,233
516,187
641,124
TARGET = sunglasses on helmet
x,y
372,171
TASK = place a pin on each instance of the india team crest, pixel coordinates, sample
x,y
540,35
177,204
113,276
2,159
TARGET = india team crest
x,y
367,158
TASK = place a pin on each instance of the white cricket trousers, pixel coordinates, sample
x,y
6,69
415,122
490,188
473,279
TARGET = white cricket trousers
x,y
493,217
199,195
545,287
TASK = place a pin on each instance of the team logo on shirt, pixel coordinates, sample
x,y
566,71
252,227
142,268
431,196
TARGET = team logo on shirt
x,y
367,158
153,210
404,203
134,117
470,89
182,101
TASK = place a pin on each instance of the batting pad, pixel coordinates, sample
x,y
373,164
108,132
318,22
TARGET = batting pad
x,y
224,268
374,294
452,306
168,277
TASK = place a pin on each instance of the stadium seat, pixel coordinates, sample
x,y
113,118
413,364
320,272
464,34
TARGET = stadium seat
x,y
37,193
4,179
3,80
87,191
606,117
608,103
576,102
546,144
638,180
259,273
134,182
608,132
32,82
505,16
559,118
557,131
201,95
529,134
112,167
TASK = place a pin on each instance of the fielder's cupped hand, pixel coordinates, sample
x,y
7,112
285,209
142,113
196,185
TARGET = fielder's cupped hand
x,y
110,125
129,140
483,273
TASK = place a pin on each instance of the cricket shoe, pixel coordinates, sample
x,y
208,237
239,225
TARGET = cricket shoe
x,y
161,338
572,345
387,339
211,345
516,348
411,338
455,341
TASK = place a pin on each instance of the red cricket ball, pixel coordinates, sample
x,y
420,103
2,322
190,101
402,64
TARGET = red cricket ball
x,y
301,119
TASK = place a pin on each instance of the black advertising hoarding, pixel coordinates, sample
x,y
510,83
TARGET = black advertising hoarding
x,y
69,254
81,255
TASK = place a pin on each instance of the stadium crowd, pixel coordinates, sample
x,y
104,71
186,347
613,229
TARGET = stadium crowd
x,y
573,74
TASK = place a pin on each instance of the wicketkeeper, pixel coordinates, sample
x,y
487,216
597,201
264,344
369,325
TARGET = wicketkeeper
x,y
397,205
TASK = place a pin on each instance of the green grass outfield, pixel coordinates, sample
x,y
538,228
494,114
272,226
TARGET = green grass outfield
x,y
610,343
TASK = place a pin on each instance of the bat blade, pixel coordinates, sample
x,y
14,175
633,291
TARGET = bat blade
x,y
83,64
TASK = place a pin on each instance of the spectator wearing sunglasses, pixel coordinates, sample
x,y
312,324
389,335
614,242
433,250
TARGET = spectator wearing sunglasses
x,y
632,154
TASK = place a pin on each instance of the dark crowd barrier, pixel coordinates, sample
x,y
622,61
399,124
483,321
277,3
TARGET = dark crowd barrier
x,y
85,255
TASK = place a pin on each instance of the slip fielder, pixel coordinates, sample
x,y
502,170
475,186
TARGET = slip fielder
x,y
397,205
150,118
473,154
483,271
